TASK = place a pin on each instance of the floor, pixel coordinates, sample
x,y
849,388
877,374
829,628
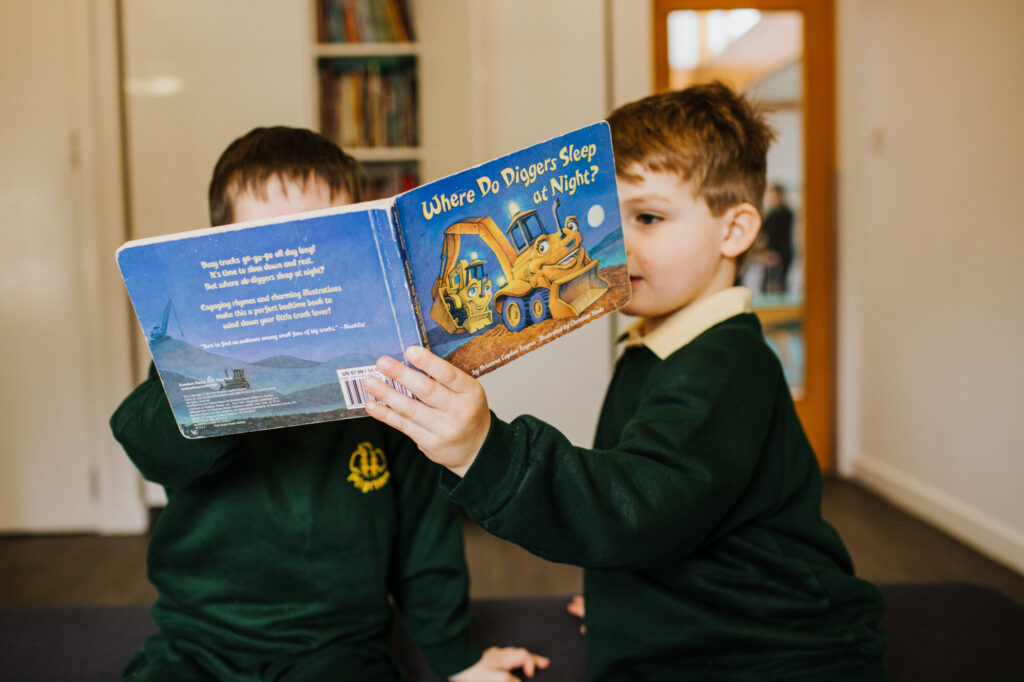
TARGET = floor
x,y
887,546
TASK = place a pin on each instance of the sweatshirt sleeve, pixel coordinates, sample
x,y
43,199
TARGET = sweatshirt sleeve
x,y
430,581
681,464
145,426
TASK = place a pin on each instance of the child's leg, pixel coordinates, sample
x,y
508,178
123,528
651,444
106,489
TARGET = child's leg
x,y
161,661
344,661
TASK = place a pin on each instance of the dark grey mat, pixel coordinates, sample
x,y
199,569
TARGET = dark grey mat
x,y
941,632
952,632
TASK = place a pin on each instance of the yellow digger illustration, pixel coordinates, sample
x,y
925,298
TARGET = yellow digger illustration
x,y
543,274
467,295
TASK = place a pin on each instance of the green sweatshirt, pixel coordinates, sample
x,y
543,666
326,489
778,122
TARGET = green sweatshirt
x,y
277,544
696,516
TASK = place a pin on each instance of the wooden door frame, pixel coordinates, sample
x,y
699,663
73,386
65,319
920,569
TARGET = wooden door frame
x,y
817,405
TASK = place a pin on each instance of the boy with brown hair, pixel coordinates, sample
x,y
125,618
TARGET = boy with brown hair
x,y
697,513
269,562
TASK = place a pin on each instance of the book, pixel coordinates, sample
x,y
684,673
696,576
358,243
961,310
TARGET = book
x,y
276,322
368,102
353,21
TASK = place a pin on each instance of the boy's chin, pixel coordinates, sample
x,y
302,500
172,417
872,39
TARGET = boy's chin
x,y
630,311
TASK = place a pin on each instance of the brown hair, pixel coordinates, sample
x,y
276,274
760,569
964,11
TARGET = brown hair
x,y
709,135
293,154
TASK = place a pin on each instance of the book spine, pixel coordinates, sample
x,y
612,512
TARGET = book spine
x,y
408,325
394,14
365,20
406,18
336,31
352,33
381,26
329,23
421,329
328,101
377,135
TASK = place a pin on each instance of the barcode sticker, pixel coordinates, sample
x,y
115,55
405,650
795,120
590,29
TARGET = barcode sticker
x,y
351,381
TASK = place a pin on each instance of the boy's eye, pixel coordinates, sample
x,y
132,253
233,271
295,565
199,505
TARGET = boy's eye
x,y
647,218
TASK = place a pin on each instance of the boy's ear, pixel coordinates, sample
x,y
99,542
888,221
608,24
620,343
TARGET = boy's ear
x,y
744,222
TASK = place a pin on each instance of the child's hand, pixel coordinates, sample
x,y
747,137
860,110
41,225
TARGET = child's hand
x,y
495,664
577,608
450,421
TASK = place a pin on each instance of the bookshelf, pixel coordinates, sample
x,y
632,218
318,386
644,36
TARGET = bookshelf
x,y
367,65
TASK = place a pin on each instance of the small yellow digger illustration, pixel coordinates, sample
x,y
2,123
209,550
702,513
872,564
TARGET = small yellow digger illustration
x,y
467,295
543,274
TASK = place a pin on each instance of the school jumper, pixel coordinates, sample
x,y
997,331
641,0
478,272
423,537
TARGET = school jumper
x,y
696,515
278,550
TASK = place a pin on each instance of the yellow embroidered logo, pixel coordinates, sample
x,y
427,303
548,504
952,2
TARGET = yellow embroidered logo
x,y
369,468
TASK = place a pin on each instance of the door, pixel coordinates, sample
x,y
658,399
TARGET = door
x,y
779,52
49,474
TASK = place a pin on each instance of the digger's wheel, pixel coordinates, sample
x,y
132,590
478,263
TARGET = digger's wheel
x,y
538,306
458,314
513,314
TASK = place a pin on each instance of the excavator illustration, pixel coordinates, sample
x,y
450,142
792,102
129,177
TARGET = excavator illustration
x,y
230,381
540,274
467,295
159,332
236,379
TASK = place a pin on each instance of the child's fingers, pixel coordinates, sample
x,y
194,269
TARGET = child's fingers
x,y
511,658
393,398
442,371
537,662
436,382
383,412
409,410
418,383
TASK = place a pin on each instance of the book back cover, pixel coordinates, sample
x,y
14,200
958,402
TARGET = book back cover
x,y
267,325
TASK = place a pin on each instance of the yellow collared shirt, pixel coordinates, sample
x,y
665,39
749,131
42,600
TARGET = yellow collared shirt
x,y
689,322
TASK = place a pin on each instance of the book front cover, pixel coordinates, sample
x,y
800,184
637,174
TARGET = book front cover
x,y
518,251
270,325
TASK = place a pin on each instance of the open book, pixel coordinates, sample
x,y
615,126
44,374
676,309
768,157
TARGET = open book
x,y
276,323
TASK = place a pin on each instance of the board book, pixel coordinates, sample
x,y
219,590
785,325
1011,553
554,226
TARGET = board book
x,y
276,322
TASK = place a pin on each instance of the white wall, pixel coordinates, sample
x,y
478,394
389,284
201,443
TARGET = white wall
x,y
198,75
65,351
631,71
931,366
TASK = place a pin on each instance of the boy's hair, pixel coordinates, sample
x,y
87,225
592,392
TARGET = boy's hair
x,y
293,154
708,134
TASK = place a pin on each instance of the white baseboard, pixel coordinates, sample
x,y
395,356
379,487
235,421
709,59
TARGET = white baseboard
x,y
988,535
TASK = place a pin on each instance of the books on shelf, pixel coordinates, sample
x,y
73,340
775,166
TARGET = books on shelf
x,y
385,179
275,323
369,102
364,21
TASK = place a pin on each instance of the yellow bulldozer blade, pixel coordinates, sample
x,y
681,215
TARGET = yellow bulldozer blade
x,y
581,290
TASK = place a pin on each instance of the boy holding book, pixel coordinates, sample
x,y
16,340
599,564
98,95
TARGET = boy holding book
x,y
697,513
271,561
